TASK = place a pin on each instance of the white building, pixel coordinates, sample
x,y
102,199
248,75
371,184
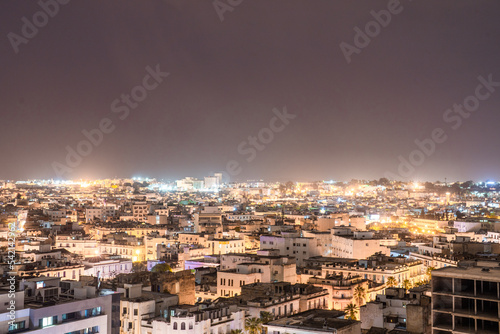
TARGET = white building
x,y
105,267
220,320
359,245
263,268
137,305
49,305
289,244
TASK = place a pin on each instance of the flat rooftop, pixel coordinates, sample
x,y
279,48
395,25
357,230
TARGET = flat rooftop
x,y
478,273
320,320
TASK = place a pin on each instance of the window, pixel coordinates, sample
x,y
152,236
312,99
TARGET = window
x,y
175,326
47,321
183,326
92,312
136,312
69,316
124,310
16,326
91,330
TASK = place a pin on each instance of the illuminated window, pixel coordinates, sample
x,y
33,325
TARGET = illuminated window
x,y
47,321
17,326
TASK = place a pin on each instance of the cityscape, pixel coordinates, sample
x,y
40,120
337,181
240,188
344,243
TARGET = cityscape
x,y
199,255
249,167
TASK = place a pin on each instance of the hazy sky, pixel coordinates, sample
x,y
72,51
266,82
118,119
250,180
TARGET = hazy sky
x,y
352,120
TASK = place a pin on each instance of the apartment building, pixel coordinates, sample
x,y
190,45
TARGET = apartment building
x,y
220,319
398,309
130,250
102,213
137,306
358,245
48,305
208,221
281,299
216,245
290,244
341,289
263,268
85,247
140,211
378,268
466,299
314,322
49,263
106,267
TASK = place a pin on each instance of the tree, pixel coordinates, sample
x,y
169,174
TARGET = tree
x,y
419,283
266,317
428,272
253,325
236,331
407,284
161,268
351,310
138,267
384,182
360,294
391,282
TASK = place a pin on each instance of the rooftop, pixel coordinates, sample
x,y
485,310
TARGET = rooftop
x,y
322,320
479,273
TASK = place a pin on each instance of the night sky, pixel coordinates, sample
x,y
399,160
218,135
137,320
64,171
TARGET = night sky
x,y
352,120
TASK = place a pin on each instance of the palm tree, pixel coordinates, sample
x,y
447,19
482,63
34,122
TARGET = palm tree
x,y
391,282
428,272
236,331
407,284
253,325
351,310
360,294
266,317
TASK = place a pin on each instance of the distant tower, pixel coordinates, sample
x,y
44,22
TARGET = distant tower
x,y
219,178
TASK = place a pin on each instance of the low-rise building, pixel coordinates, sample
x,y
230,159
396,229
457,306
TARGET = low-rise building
x,y
314,322
48,305
399,309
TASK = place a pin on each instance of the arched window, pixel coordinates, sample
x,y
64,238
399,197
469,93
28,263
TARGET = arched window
x,y
175,325
183,326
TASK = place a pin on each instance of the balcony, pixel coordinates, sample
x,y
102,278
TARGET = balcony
x,y
465,325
